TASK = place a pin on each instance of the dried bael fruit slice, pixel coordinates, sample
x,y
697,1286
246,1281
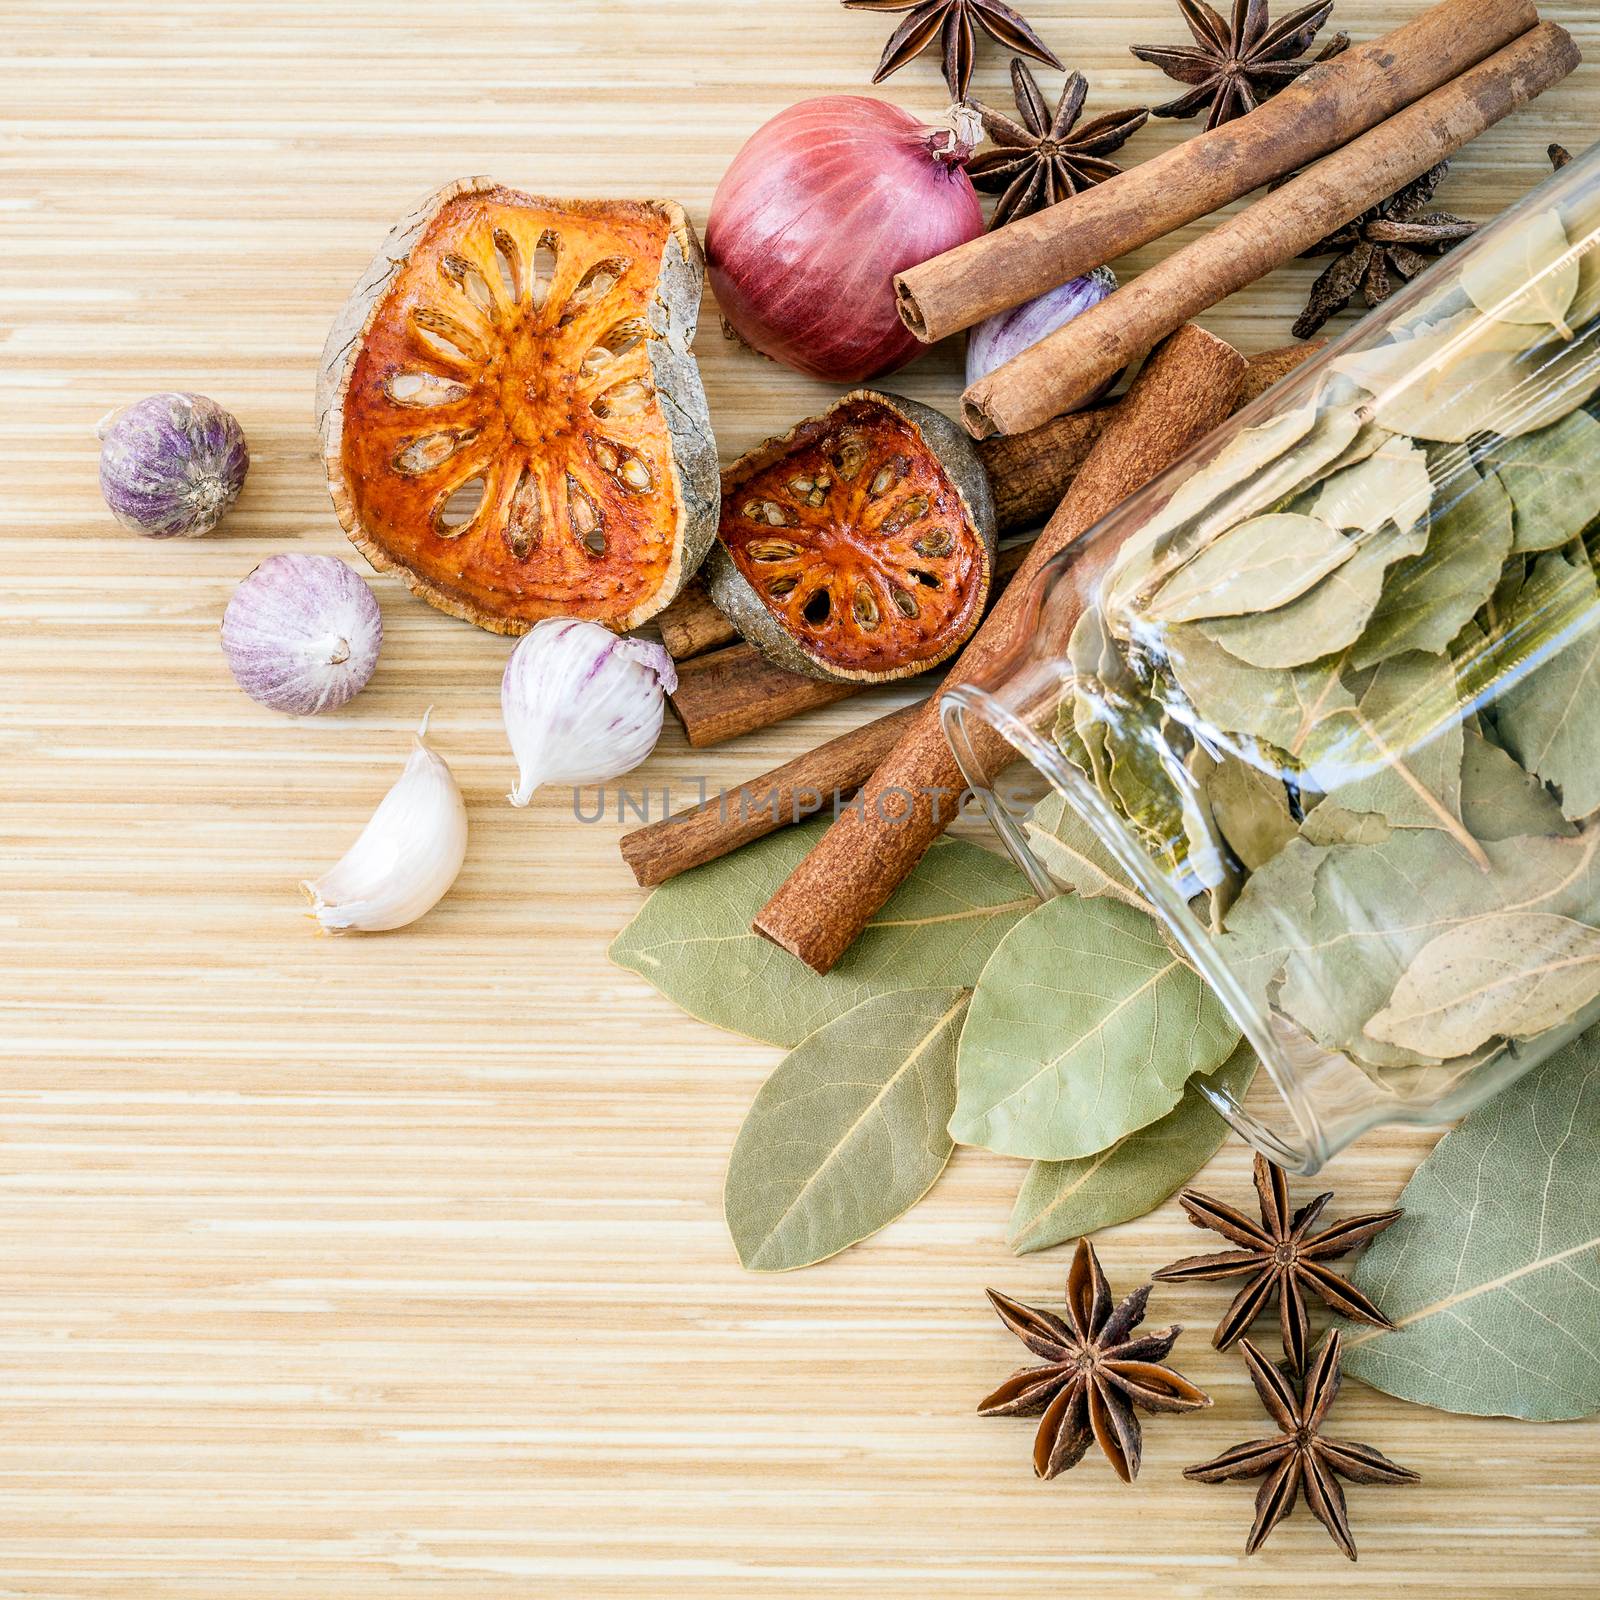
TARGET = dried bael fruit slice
x,y
510,413
860,546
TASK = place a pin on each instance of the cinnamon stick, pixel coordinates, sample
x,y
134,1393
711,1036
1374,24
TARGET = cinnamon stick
x,y
1321,110
737,690
1065,369
1028,473
797,790
691,625
1186,388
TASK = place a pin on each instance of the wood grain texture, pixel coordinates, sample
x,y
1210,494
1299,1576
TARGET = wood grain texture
x,y
347,1267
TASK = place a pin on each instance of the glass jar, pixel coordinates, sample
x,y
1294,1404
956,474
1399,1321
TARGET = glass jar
x,y
1326,696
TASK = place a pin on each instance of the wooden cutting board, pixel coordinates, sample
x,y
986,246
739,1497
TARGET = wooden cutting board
x,y
397,1265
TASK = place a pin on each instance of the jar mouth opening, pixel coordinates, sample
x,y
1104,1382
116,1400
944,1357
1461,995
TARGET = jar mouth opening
x,y
1311,1149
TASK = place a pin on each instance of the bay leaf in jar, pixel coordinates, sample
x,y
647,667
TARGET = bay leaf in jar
x,y
1549,718
1553,478
1390,485
1429,598
1511,974
1529,274
1256,567
1328,618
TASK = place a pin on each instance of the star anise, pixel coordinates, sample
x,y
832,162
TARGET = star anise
x,y
1300,1457
1235,65
954,24
1095,1373
1381,249
1042,160
1281,1257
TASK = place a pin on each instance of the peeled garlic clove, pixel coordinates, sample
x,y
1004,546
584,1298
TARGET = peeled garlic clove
x,y
407,857
581,705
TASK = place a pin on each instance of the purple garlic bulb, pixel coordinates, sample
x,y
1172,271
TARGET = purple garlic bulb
x,y
302,634
1008,333
171,465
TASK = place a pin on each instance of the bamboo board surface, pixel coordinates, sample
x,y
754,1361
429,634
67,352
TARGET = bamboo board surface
x,y
396,1265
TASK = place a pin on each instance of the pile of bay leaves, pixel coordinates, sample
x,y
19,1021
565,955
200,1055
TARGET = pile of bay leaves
x,y
1344,688
1345,692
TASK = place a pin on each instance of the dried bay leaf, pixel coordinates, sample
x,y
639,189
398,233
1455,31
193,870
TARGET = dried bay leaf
x,y
1252,809
1473,374
1327,619
1553,478
1375,907
1258,566
1390,485
1512,974
1529,274
1254,472
1411,713
848,1133
1312,716
1447,381
1501,801
1549,718
1262,926
1493,1273
1428,599
692,939
1084,1027
1290,709
1073,854
1062,1200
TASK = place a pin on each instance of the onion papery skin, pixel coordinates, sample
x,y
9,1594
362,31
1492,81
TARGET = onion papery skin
x,y
302,634
171,465
820,210
1006,334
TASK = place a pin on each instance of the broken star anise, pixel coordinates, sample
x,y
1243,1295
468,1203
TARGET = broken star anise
x,y
1282,1258
1381,249
1045,159
1299,1457
954,24
1095,1373
1235,65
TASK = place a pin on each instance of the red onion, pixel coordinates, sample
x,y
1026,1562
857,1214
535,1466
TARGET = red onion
x,y
1008,333
302,634
819,211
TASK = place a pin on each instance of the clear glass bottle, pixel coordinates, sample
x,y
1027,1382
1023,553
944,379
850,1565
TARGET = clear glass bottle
x,y
1327,695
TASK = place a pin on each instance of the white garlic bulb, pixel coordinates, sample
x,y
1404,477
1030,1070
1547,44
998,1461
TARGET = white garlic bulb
x,y
581,705
407,856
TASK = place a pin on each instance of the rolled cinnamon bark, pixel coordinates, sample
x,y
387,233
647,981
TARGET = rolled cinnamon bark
x,y
691,625
1067,368
736,690
1321,110
1186,388
780,799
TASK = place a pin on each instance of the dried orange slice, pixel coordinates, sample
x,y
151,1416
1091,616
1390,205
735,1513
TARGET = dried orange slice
x,y
859,547
510,413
